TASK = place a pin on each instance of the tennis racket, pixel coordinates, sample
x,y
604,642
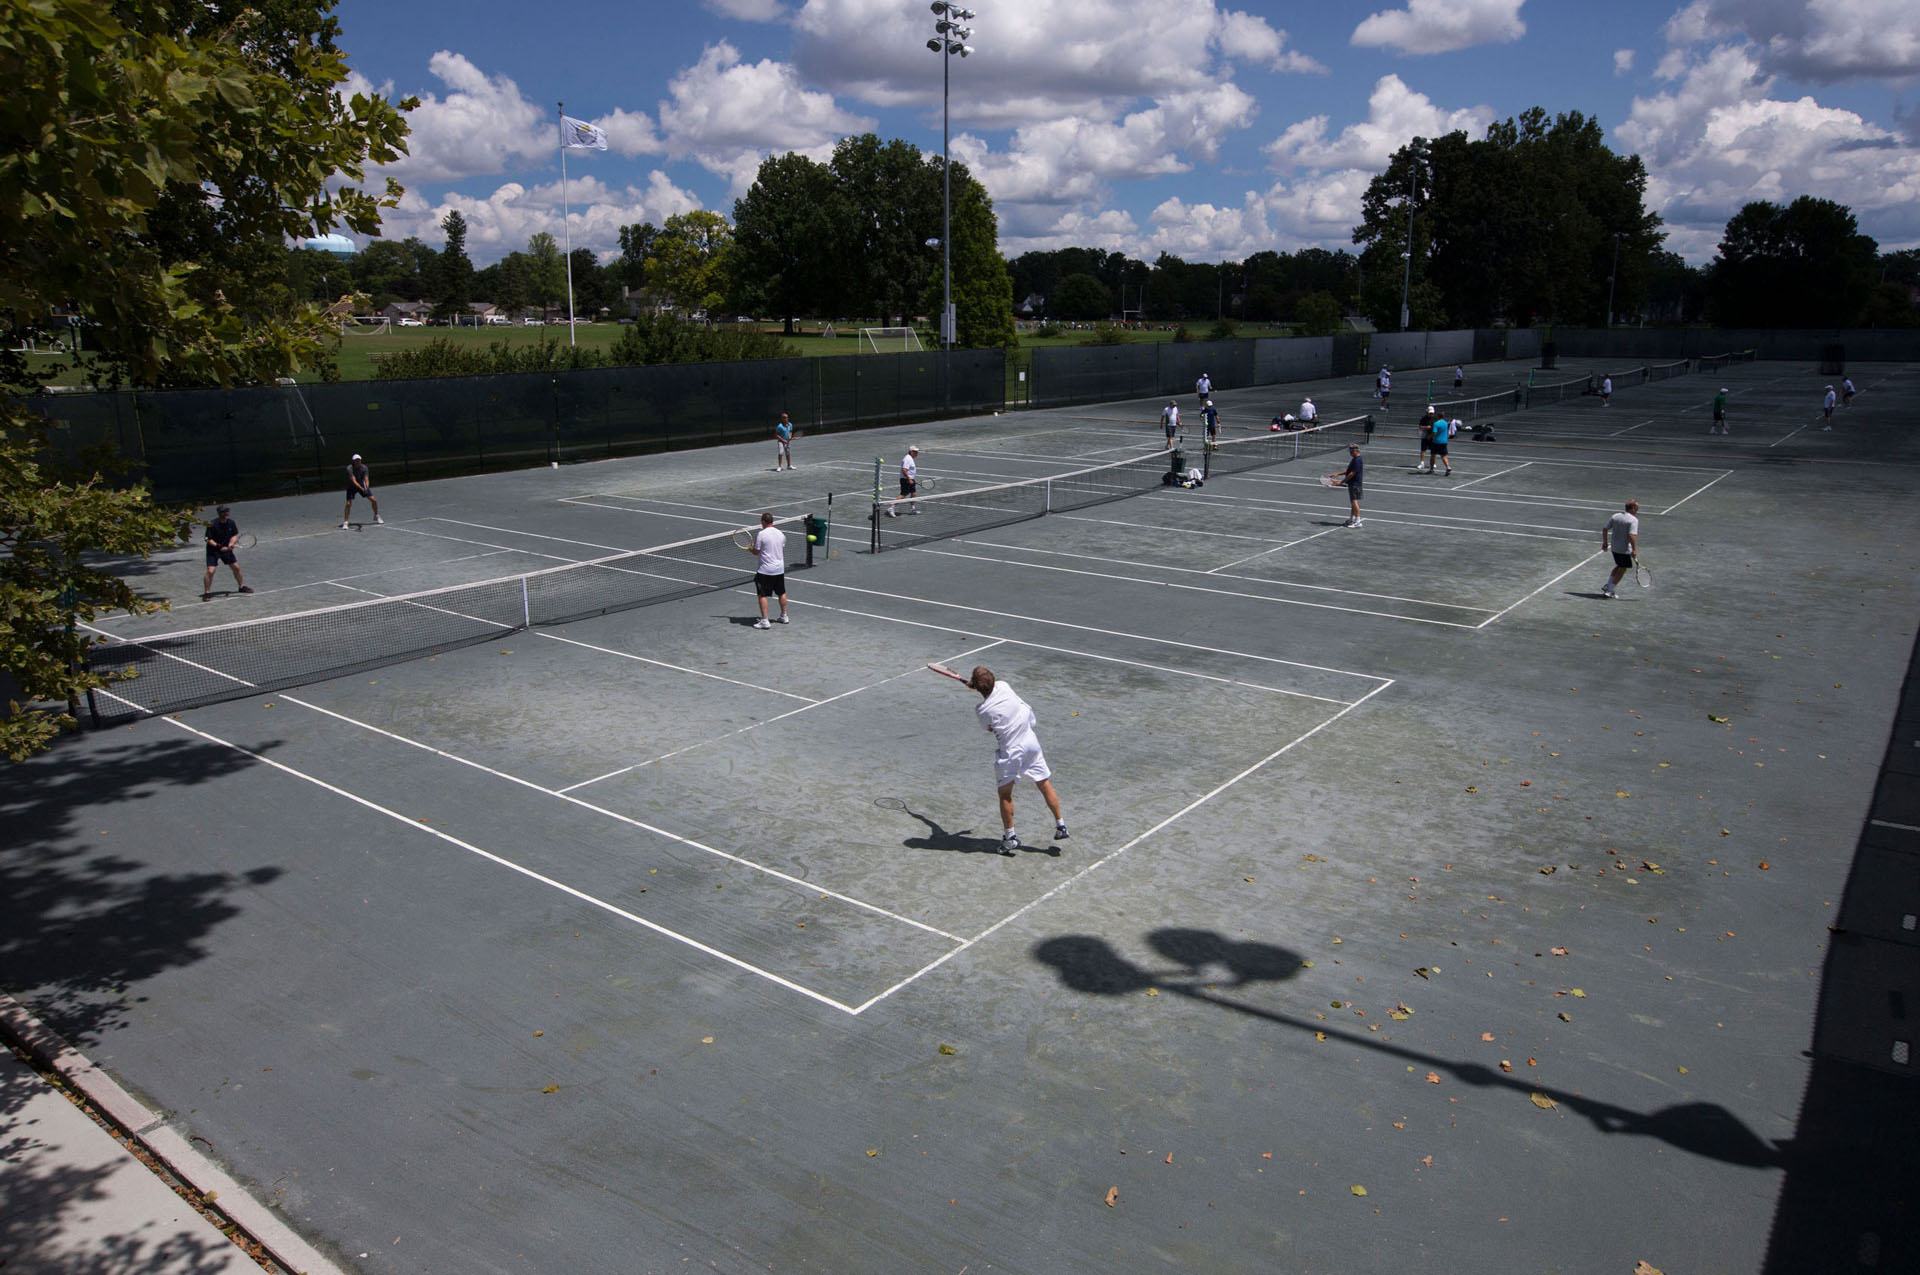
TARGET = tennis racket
x,y
1642,576
922,486
889,803
1329,480
246,540
944,671
744,538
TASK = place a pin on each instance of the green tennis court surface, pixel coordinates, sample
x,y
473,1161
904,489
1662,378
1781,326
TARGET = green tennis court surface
x,y
637,938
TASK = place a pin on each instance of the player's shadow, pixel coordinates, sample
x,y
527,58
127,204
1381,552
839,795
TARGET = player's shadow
x,y
1088,964
963,841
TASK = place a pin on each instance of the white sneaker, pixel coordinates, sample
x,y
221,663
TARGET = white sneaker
x,y
377,519
783,617
893,513
1606,592
761,623
345,525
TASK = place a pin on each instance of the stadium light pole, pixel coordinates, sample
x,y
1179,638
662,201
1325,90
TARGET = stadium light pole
x,y
1613,274
949,39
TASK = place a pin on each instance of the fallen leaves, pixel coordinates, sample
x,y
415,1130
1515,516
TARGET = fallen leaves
x,y
550,1089
872,1151
1541,1101
948,1051
1357,1189
1433,1077
1486,1036
1506,1064
1565,1017
1558,951
1642,1268
1113,1196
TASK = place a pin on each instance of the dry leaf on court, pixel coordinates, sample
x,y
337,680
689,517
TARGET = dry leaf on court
x,y
1565,1017
1543,1102
1642,1268
1506,1064
1486,1036
873,1151
1558,951
1577,992
1113,1195
1357,1189
550,1089
1433,1077
1321,1037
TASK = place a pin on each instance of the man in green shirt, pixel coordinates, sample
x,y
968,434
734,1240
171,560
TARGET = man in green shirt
x,y
1719,425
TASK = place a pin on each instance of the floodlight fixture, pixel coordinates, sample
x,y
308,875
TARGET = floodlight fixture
x,y
950,37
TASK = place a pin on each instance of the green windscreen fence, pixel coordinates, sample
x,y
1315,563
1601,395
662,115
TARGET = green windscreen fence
x,y
264,440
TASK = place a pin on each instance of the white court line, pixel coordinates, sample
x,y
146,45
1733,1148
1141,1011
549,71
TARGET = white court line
x,y
1097,864
1542,589
778,717
524,871
1784,437
1878,823
1264,552
1448,522
465,540
616,816
1229,593
1216,571
1495,474
677,668
534,535
1443,491
1690,495
1629,429
1080,628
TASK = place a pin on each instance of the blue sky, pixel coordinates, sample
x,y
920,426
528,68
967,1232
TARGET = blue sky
x,y
1186,126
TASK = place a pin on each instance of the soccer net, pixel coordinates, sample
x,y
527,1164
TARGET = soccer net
x,y
366,327
892,340
300,423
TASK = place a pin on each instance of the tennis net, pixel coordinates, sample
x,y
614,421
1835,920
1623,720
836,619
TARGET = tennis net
x,y
1714,362
1472,409
1665,371
1621,379
1538,394
901,521
190,668
1238,455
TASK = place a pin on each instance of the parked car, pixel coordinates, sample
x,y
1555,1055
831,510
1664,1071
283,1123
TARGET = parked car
x,y
411,322
498,320
532,322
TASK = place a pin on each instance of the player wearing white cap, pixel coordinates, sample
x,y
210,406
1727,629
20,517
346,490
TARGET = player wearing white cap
x,y
359,483
1826,409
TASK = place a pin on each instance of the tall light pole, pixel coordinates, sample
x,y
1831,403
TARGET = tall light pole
x,y
1406,285
1613,274
949,39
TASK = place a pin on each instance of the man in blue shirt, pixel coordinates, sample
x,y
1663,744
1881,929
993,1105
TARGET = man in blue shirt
x,y
783,441
1211,416
1350,479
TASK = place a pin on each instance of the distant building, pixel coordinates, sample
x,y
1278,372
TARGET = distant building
x,y
338,245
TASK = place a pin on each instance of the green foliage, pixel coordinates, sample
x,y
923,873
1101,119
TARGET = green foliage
x,y
892,209
1222,330
651,338
982,289
1080,298
455,272
688,264
161,159
1180,334
783,237
546,271
1048,331
1105,334
1801,265
53,516
1520,225
1319,314
663,338
443,357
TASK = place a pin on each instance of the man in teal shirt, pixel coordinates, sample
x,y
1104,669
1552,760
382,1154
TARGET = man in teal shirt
x,y
1719,425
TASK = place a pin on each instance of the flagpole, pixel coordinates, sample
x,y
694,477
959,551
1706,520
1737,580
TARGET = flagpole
x,y
566,219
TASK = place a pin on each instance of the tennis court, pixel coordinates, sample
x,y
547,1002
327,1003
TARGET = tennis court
x,y
623,936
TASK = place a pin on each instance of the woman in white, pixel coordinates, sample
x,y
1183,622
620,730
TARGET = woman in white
x,y
1016,753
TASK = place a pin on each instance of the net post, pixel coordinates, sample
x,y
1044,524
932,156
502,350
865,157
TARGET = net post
x,y
873,531
526,606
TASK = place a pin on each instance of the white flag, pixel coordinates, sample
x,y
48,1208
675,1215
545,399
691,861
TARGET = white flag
x,y
580,135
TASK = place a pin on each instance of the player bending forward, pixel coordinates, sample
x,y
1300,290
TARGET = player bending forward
x,y
1016,753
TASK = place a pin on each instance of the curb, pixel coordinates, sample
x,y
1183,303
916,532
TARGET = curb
x,y
148,1128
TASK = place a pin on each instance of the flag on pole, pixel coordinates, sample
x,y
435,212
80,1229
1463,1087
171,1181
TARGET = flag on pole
x,y
580,135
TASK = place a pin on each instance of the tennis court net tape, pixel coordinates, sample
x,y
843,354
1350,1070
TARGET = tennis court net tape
x,y
1473,409
195,667
1714,362
1237,456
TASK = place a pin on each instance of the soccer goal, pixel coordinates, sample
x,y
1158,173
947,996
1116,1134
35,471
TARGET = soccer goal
x,y
366,327
890,340
301,427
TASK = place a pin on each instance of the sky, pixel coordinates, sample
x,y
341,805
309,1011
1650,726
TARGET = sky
x,y
1180,126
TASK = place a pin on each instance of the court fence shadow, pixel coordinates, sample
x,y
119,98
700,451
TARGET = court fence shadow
x,y
1851,1200
1088,964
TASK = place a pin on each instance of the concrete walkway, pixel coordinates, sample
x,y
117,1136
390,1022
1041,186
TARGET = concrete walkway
x,y
75,1201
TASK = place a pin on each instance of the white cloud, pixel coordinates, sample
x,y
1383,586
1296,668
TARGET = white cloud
x,y
631,133
1244,37
1622,61
1442,26
1395,115
503,221
749,10
482,125
1718,140
728,115
1821,40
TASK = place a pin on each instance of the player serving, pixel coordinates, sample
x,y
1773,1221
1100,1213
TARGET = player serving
x,y
1016,753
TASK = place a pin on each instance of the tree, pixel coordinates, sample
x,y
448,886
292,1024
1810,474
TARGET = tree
x,y
1319,314
982,289
593,286
150,179
636,245
455,273
1803,265
546,271
388,271
689,261
783,237
1080,298
892,211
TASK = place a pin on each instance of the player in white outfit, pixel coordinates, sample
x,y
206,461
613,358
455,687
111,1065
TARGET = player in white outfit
x,y
1016,753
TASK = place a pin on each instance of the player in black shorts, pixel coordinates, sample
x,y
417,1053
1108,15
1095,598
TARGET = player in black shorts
x,y
1350,479
221,534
